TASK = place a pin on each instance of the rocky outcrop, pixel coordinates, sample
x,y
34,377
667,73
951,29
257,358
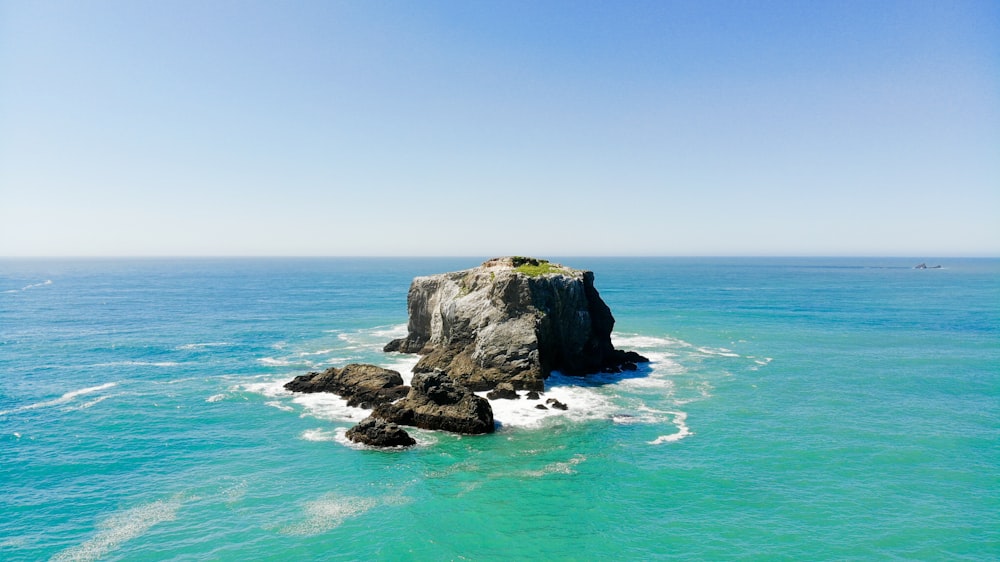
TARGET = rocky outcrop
x,y
503,391
364,386
379,433
435,401
511,320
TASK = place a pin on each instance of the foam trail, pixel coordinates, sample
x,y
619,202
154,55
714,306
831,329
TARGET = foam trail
x,y
683,430
720,352
273,362
320,352
121,527
190,346
138,364
93,402
565,467
329,512
33,285
69,396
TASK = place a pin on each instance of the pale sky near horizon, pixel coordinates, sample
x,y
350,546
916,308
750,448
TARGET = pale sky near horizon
x,y
191,128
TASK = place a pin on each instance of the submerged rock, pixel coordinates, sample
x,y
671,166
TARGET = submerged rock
x,y
511,320
435,401
364,386
380,433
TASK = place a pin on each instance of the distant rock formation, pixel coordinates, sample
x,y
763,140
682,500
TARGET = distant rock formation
x,y
511,320
502,326
435,401
364,386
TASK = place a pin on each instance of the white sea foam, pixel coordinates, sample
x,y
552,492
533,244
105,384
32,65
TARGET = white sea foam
x,y
69,396
31,286
216,397
660,383
680,422
327,406
390,332
191,346
138,364
636,341
235,493
329,512
404,366
719,352
93,402
584,403
562,467
270,388
312,353
15,542
275,362
319,434
122,527
279,405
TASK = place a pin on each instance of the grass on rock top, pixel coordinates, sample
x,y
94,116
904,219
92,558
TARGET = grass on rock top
x,y
535,267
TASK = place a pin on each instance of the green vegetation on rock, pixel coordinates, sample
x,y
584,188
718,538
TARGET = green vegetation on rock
x,y
534,267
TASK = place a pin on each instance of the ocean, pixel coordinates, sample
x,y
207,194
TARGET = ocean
x,y
793,409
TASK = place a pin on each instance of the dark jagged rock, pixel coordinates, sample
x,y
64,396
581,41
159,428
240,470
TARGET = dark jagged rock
x,y
503,391
380,433
511,320
556,404
533,395
365,386
541,407
435,401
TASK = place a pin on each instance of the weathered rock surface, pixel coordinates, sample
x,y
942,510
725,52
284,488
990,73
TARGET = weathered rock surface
x,y
365,386
435,401
503,391
380,433
511,320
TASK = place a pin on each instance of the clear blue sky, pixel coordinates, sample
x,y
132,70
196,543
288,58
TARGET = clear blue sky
x,y
480,128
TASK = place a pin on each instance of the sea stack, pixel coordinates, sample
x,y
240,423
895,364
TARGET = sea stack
x,y
511,320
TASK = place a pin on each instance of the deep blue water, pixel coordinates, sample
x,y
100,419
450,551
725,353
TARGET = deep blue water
x,y
821,408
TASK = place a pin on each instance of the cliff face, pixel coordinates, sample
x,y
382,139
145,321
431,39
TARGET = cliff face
x,y
510,320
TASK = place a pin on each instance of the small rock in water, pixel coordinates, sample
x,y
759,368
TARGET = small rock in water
x,y
556,404
380,433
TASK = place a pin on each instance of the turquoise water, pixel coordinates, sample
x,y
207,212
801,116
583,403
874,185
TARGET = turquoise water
x,y
823,409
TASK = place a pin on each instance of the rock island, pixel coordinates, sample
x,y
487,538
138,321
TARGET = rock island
x,y
502,326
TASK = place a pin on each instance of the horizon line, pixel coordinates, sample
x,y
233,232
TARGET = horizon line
x,y
489,256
